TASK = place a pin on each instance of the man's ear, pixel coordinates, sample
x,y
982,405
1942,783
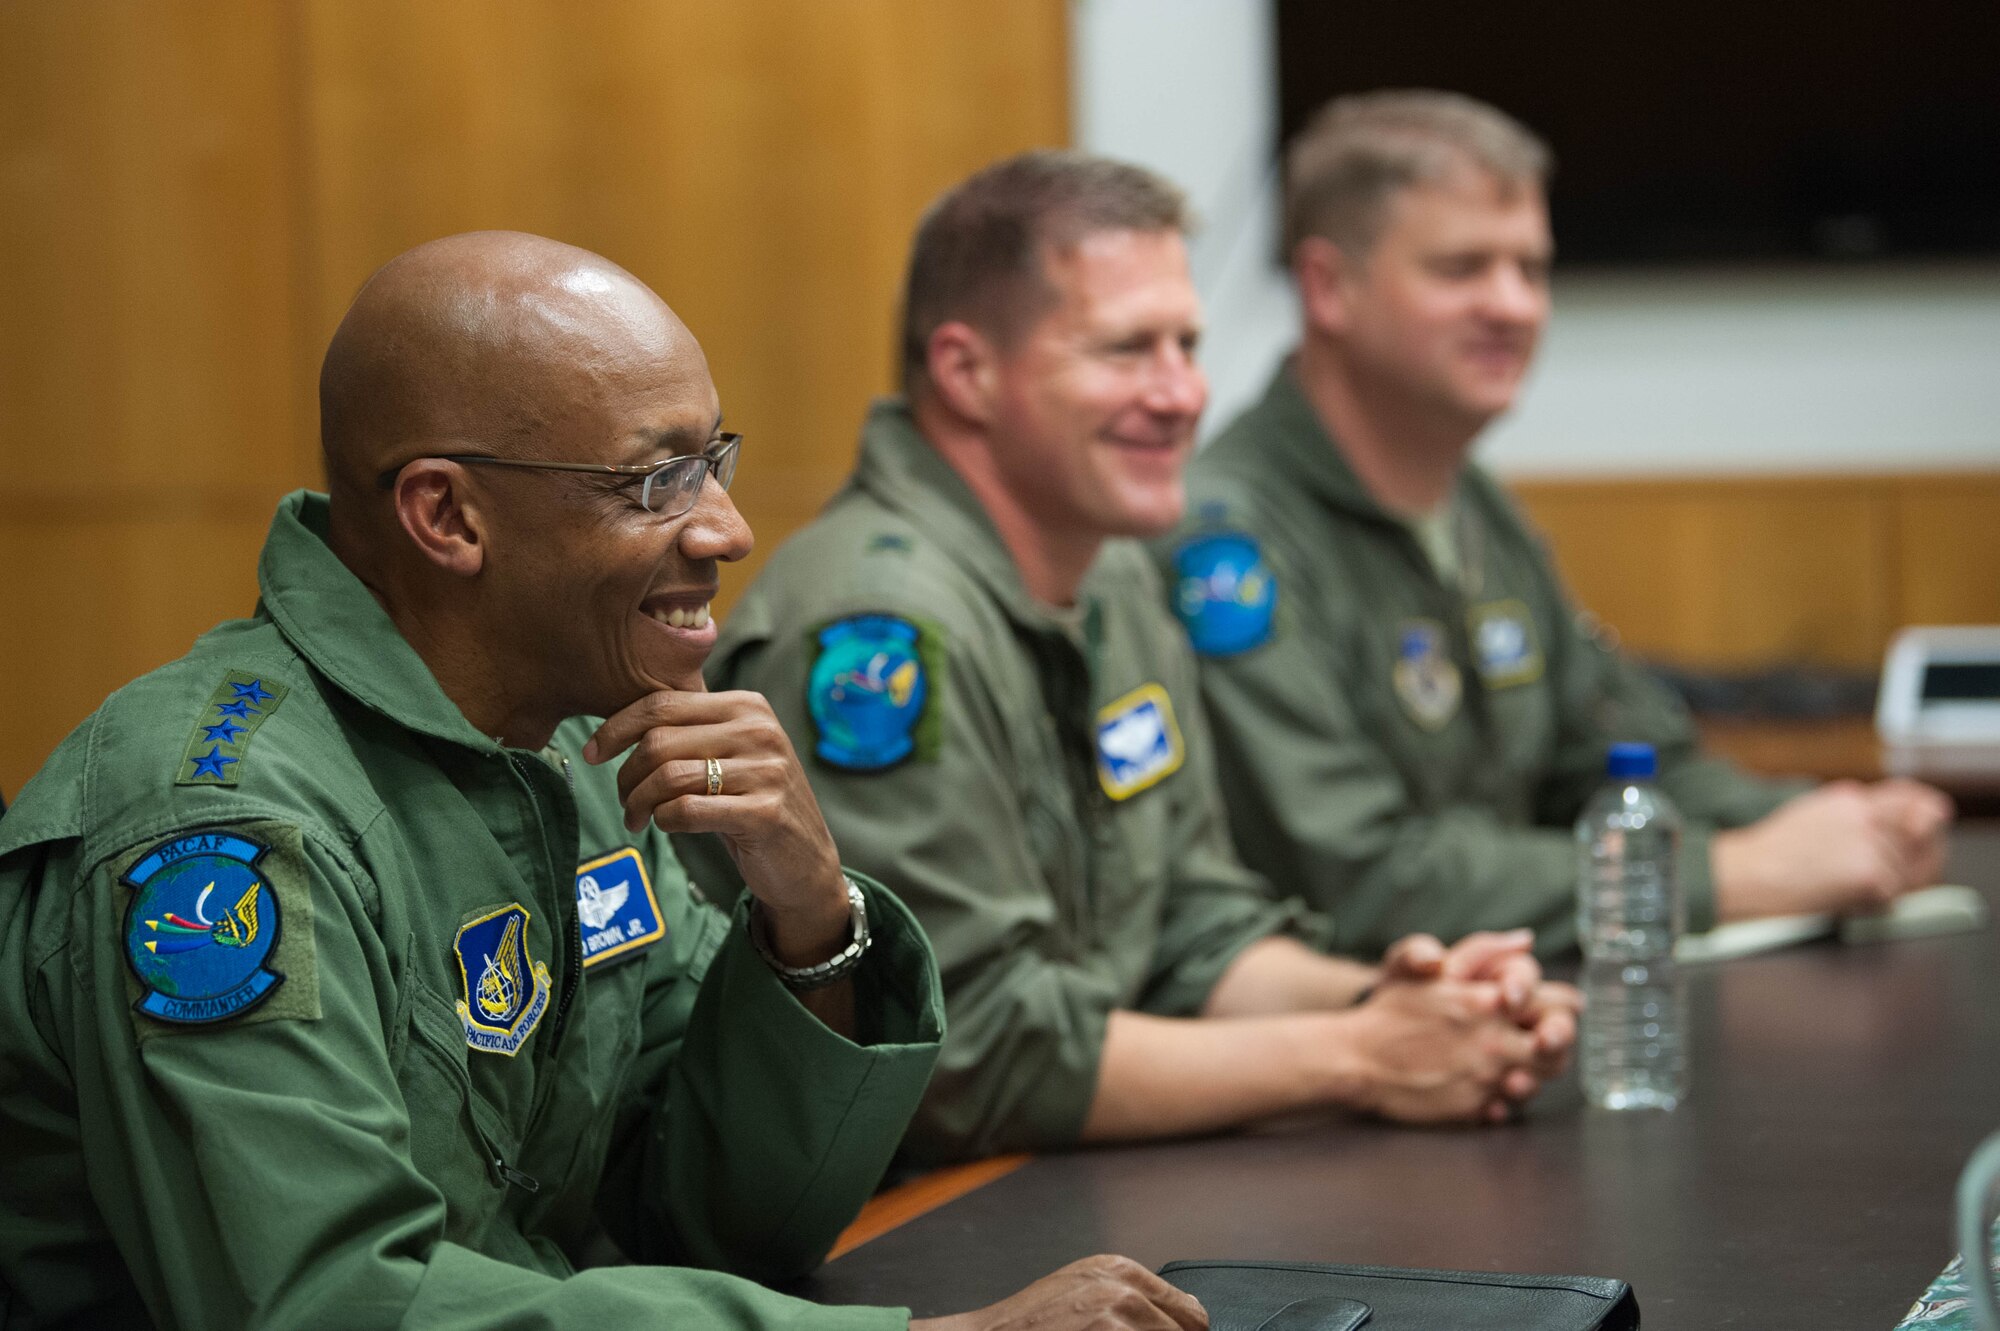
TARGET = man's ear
x,y
437,512
1323,273
962,365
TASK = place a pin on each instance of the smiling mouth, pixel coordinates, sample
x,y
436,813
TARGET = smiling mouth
x,y
679,617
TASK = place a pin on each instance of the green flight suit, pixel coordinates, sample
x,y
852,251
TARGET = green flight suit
x,y
340,1154
1410,751
1054,888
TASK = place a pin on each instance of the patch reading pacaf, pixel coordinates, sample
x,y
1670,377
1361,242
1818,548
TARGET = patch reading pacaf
x,y
867,692
201,926
506,991
1425,676
221,737
1138,742
616,911
1224,593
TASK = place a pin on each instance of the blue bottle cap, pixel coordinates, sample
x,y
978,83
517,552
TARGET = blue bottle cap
x,y
1631,760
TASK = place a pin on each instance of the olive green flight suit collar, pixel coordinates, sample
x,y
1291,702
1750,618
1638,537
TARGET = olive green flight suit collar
x,y
900,469
335,622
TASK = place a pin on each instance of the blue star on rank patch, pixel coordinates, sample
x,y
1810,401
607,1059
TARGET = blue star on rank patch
x,y
506,991
201,927
1138,742
1224,593
1503,643
222,733
867,691
616,911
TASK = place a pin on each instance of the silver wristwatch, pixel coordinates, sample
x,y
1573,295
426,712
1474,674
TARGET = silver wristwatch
x,y
835,966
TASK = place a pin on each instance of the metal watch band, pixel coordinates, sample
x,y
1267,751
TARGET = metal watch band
x,y
835,966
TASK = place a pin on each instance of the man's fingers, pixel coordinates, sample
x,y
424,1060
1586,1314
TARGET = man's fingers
x,y
1472,957
666,707
681,748
1417,957
1183,1307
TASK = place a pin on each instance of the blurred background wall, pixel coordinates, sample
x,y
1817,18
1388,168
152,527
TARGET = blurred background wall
x,y
1738,467
191,191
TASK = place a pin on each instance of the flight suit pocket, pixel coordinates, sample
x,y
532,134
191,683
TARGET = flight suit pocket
x,y
455,1140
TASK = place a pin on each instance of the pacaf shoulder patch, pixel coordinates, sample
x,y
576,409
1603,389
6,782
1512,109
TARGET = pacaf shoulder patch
x,y
505,990
220,920
1138,742
869,692
617,912
1224,593
221,737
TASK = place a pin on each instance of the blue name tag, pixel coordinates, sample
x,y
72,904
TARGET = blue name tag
x,y
1138,742
616,911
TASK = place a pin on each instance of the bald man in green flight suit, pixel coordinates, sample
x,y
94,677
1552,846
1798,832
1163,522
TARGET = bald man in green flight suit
x,y
1409,713
348,980
1001,719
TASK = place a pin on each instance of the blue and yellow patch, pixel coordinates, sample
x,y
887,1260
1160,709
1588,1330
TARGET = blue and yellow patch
x,y
201,926
617,913
221,737
1138,742
1503,643
505,990
1426,679
867,692
1224,593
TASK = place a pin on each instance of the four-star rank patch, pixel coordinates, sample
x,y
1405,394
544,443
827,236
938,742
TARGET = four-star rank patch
x,y
201,927
1138,742
1224,593
1426,678
868,691
505,990
221,737
617,912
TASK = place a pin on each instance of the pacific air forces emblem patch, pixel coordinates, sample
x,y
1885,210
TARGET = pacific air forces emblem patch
x,y
201,927
505,990
1138,742
1224,593
617,913
1427,681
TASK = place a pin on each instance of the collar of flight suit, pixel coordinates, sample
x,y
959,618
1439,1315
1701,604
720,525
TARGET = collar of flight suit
x,y
1292,437
900,469
336,623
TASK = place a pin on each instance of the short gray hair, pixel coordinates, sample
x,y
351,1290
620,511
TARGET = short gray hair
x,y
979,250
1343,168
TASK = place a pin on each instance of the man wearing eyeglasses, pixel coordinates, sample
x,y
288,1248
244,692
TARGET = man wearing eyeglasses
x,y
1003,721
347,977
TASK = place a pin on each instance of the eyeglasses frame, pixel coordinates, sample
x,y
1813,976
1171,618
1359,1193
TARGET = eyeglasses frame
x,y
711,463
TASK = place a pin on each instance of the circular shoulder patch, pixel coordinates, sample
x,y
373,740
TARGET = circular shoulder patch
x,y
1224,593
201,925
867,692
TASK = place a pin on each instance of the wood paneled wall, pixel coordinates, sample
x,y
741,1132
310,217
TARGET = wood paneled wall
x,y
191,191
1740,573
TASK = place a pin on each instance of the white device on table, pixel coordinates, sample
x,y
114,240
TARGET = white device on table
x,y
1938,714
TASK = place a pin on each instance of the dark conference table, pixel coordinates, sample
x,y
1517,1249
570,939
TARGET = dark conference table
x,y
1807,1183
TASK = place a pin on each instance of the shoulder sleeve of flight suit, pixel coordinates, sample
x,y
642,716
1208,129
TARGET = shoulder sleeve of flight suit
x,y
1316,805
259,1173
948,830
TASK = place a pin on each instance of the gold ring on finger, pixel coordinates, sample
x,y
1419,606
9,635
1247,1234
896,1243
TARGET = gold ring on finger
x,y
715,776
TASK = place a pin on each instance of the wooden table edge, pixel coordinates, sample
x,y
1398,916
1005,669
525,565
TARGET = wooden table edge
x,y
920,1196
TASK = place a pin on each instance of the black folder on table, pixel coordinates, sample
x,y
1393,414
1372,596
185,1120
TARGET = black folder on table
x,y
1310,1296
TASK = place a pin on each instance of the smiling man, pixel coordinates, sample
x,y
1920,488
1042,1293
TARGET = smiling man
x,y
1002,720
299,1024
1409,714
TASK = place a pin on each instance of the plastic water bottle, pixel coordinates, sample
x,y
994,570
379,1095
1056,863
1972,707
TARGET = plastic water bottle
x,y
1629,913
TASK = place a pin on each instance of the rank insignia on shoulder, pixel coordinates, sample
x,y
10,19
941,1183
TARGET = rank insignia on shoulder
x,y
1224,593
617,913
1426,678
505,991
868,691
1138,742
1503,642
221,736
201,927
